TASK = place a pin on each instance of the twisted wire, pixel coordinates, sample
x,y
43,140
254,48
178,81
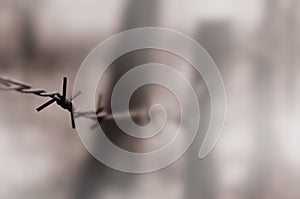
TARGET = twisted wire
x,y
99,115
7,84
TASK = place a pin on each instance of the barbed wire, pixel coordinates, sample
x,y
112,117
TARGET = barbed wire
x,y
7,84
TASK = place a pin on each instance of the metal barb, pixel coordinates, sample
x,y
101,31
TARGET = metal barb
x,y
60,99
97,116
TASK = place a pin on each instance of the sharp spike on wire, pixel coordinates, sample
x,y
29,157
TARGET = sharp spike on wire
x,y
46,104
60,99
64,92
76,95
72,117
100,109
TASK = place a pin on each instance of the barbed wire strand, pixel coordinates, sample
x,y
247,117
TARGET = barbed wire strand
x,y
7,84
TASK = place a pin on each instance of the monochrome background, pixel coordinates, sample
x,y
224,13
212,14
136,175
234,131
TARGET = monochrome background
x,y
254,43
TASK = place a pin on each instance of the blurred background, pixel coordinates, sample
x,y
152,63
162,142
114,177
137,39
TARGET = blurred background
x,y
254,43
